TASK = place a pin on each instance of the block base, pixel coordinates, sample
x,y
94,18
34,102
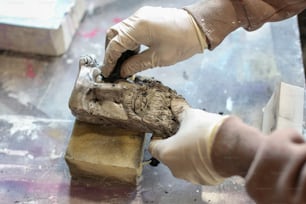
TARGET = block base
x,y
99,153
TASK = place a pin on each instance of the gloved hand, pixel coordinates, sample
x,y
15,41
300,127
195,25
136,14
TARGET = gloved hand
x,y
171,35
188,152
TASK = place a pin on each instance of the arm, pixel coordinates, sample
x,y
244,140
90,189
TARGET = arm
x,y
235,147
173,35
277,174
217,18
208,148
274,165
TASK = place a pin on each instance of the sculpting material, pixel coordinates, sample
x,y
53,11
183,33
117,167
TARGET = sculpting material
x,y
142,104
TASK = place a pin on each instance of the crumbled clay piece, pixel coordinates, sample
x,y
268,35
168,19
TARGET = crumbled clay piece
x,y
142,104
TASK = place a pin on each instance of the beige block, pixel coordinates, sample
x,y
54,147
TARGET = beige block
x,y
33,36
100,153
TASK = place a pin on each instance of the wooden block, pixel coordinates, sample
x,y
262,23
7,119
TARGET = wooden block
x,y
100,153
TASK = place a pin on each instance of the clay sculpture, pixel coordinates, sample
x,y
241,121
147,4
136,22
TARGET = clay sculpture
x,y
140,104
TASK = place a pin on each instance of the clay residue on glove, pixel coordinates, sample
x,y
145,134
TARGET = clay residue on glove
x,y
142,104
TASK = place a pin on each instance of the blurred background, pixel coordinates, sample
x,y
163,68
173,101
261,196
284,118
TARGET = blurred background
x,y
302,28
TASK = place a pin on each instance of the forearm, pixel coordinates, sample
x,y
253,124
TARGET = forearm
x,y
218,18
274,165
235,147
278,172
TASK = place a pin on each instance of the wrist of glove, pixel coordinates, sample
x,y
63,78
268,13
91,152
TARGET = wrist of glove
x,y
171,35
188,152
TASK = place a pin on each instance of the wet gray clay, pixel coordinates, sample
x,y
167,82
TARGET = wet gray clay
x,y
141,104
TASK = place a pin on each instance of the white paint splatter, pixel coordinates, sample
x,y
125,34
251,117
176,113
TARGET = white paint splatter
x,y
212,197
11,166
69,61
27,124
11,152
21,97
55,155
229,104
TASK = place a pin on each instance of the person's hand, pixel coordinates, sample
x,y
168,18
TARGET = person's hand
x,y
188,152
171,35
278,172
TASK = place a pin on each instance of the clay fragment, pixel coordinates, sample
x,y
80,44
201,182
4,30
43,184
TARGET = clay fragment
x,y
142,104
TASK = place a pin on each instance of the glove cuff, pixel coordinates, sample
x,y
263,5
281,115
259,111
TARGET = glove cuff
x,y
200,34
215,177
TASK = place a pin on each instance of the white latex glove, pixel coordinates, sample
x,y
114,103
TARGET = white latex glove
x,y
188,152
171,35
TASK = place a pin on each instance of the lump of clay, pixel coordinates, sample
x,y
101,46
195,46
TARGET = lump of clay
x,y
141,104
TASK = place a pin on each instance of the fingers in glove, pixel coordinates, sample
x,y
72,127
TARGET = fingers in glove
x,y
156,146
110,34
178,107
120,43
159,148
139,62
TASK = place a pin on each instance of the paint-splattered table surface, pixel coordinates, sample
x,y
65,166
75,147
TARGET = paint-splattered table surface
x,y
238,78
